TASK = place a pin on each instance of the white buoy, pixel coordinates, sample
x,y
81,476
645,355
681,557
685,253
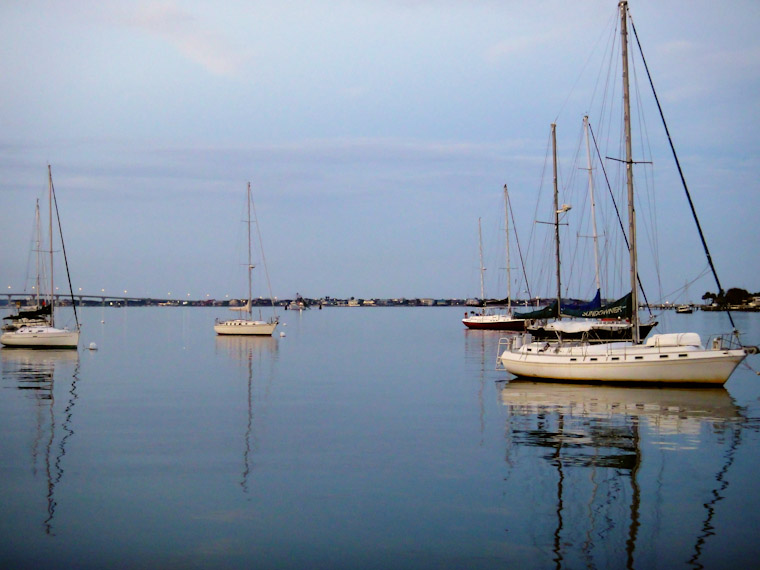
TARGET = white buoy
x,y
93,346
282,334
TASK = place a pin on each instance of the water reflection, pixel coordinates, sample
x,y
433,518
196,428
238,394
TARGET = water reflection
x,y
611,452
34,373
242,347
251,352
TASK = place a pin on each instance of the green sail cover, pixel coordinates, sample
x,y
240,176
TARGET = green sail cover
x,y
620,309
549,312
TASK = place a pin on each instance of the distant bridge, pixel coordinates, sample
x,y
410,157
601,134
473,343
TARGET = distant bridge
x,y
82,299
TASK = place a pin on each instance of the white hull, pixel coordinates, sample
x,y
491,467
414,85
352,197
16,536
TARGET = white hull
x,y
623,362
40,337
245,327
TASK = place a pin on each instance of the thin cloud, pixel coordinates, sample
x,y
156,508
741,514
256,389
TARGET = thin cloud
x,y
189,36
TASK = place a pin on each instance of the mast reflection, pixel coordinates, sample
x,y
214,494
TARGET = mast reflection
x,y
603,443
34,372
250,351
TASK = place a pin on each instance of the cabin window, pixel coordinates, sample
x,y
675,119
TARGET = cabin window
x,y
573,359
639,358
682,355
615,358
663,356
593,359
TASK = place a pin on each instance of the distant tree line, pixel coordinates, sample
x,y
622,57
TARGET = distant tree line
x,y
733,296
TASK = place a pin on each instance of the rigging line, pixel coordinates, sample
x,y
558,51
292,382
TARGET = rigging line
x,y
519,249
544,254
33,249
610,54
683,289
617,212
582,71
574,250
680,171
63,247
646,150
263,257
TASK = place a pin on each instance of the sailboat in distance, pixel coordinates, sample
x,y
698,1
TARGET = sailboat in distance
x,y
664,358
248,325
502,320
35,327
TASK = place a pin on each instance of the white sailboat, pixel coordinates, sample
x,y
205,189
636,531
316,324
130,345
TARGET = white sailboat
x,y
664,358
36,328
502,320
248,325
685,308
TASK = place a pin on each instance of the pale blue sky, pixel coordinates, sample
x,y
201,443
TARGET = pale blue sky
x,y
374,135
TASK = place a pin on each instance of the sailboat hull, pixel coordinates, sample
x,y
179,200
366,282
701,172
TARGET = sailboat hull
x,y
245,327
494,323
40,337
622,363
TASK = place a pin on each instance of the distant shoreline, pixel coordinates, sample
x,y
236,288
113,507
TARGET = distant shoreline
x,y
468,304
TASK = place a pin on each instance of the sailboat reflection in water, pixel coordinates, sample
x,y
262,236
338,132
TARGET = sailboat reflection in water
x,y
261,350
35,373
610,475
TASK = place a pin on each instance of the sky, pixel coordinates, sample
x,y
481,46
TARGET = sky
x,y
374,134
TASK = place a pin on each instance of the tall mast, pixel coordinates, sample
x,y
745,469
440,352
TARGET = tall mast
x,y
50,229
593,204
250,266
506,232
482,269
556,219
623,6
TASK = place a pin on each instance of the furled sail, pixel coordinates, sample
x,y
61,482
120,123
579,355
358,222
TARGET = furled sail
x,y
620,309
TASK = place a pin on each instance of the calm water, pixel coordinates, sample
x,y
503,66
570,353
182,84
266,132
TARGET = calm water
x,y
365,438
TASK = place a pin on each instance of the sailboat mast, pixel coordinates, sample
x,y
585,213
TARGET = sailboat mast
x,y
556,219
482,269
594,236
623,6
250,266
506,232
50,229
